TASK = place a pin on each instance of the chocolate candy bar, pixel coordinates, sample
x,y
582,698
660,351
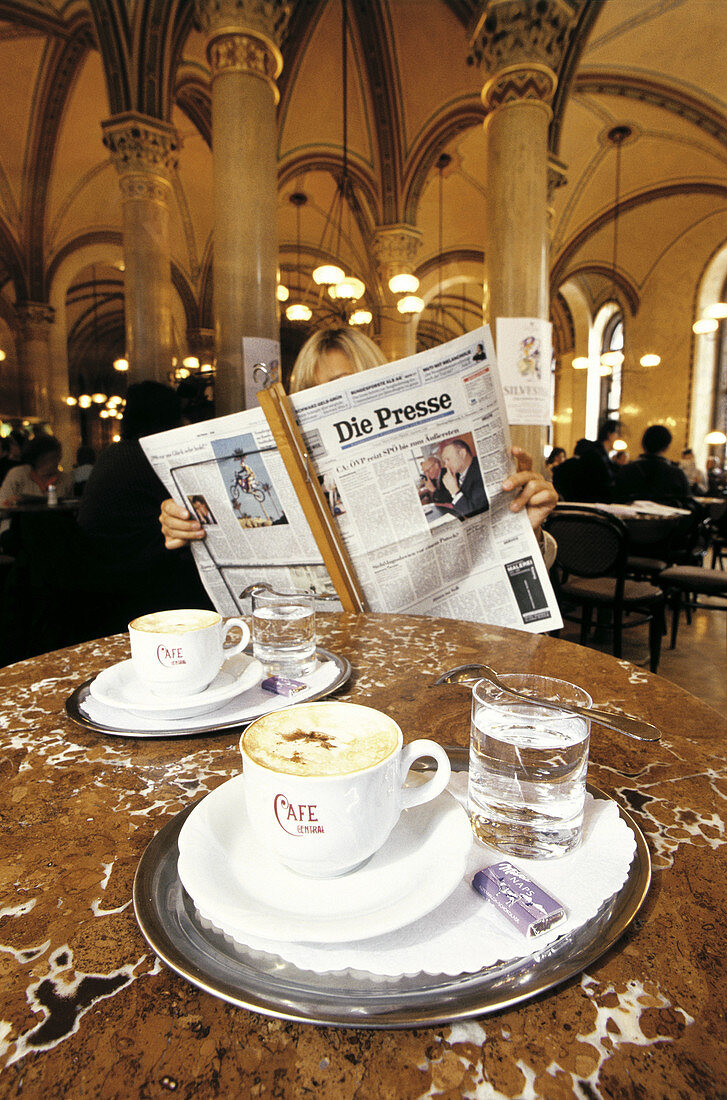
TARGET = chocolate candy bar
x,y
522,901
281,685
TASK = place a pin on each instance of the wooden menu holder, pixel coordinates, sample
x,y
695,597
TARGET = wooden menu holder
x,y
282,423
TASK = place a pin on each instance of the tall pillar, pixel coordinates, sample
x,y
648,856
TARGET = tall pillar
x,y
520,44
144,153
396,248
244,56
36,382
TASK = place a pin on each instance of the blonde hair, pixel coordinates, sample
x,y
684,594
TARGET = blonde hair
x,y
358,348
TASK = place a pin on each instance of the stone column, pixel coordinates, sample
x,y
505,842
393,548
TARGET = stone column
x,y
244,56
396,248
40,393
520,44
144,152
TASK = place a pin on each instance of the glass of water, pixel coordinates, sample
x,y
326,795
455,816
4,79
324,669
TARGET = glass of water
x,y
528,764
284,631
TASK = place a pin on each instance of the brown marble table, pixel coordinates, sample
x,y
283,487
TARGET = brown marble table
x,y
88,1010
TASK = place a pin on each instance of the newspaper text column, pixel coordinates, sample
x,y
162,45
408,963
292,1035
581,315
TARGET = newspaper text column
x,y
144,153
519,43
245,59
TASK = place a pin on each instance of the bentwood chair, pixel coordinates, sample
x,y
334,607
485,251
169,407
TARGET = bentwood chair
x,y
684,584
590,573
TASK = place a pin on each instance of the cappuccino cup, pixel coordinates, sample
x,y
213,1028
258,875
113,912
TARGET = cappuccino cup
x,y
325,783
180,652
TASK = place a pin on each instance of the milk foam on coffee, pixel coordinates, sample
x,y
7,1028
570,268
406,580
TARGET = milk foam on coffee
x,y
175,622
321,740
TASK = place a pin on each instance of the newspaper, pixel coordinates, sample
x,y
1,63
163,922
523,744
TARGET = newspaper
x,y
421,540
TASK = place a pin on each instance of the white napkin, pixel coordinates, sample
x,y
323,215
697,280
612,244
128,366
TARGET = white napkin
x,y
466,933
243,708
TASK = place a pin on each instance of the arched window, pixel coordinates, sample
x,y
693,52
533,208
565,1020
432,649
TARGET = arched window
x,y
612,354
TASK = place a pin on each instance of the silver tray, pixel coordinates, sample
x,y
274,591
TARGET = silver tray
x,y
74,712
269,985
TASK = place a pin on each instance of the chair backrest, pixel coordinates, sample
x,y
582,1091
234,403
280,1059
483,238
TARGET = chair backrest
x,y
590,543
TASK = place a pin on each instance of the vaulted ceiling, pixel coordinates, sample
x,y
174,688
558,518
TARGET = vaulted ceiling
x,y
656,66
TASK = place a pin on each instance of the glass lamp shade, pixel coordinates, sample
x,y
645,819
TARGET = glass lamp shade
x,y
71,401
350,289
85,401
705,325
206,368
99,398
3,356
715,438
650,360
121,364
328,275
404,283
282,293
716,312
361,317
298,312
580,362
612,359
191,362
104,414
620,445
410,304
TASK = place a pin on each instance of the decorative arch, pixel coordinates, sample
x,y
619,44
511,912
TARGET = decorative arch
x,y
423,156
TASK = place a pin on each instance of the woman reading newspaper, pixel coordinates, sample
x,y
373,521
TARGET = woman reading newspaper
x,y
335,353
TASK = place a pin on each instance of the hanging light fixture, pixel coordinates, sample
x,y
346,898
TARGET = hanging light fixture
x,y
443,162
617,136
411,303
705,325
403,283
121,364
332,274
297,311
361,317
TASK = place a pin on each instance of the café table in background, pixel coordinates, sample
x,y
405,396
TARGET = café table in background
x,y
88,1010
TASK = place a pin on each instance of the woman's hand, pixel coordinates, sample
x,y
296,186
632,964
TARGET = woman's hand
x,y
178,527
535,493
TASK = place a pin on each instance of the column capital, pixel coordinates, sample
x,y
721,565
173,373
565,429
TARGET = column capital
x,y
244,36
144,147
510,32
35,319
396,248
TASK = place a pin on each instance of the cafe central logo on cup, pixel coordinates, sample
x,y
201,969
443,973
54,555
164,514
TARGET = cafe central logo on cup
x,y
297,819
170,657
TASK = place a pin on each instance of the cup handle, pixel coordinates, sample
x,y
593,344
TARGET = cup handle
x,y
414,796
230,651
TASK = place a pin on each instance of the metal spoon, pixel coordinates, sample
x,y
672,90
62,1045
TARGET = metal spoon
x,y
622,723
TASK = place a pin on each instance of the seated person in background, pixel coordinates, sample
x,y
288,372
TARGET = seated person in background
x,y
697,478
11,448
620,458
555,458
85,458
335,353
590,476
37,471
120,508
716,478
652,476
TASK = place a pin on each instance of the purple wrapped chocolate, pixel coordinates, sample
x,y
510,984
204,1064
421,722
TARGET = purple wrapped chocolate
x,y
522,901
281,685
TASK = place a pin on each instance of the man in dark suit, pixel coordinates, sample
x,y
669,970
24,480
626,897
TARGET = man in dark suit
x,y
463,479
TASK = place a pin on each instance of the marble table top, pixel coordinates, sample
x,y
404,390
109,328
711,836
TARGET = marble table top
x,y
86,1009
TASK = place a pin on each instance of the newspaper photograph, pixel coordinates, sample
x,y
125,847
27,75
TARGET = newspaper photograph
x,y
410,456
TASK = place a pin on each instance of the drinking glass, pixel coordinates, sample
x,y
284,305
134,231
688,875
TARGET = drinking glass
x,y
284,631
528,764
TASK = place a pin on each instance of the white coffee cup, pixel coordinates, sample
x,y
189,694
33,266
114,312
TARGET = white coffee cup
x,y
178,653
324,783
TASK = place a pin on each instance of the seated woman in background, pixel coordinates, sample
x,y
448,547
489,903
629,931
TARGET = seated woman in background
x,y
38,470
336,353
556,456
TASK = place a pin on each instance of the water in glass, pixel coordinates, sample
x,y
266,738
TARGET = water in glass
x,y
284,636
527,771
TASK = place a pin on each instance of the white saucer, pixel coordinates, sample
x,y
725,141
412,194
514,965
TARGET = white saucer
x,y
239,888
120,688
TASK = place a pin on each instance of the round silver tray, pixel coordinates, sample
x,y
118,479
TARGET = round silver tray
x,y
74,712
269,985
